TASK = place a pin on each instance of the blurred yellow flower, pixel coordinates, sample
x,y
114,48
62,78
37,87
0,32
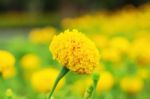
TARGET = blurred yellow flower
x,y
42,36
42,81
7,60
131,85
100,40
75,51
112,55
9,73
140,50
120,43
106,81
30,61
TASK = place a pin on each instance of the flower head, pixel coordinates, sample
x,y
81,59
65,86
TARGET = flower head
x,y
112,55
106,81
30,61
42,36
131,85
120,43
7,62
75,51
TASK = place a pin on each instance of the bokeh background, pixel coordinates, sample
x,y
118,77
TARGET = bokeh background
x,y
119,28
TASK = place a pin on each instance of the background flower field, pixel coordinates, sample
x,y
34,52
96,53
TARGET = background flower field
x,y
28,70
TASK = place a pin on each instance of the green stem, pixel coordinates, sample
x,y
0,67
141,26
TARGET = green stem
x,y
89,92
62,73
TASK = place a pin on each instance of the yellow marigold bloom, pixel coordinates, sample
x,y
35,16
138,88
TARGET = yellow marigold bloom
x,y
111,55
9,73
42,81
30,61
120,43
75,51
42,36
6,60
140,51
100,40
106,81
131,85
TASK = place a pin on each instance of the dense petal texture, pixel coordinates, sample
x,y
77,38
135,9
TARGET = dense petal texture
x,y
75,51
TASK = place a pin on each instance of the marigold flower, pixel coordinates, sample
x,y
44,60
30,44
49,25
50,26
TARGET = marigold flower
x,y
6,60
120,43
42,81
140,51
30,61
106,81
131,85
9,73
42,36
112,55
75,51
101,41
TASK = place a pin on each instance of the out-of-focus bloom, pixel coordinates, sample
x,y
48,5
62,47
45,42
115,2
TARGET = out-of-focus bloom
x,y
140,51
120,43
42,36
101,41
106,81
30,61
75,51
131,85
112,55
143,73
42,81
7,62
9,73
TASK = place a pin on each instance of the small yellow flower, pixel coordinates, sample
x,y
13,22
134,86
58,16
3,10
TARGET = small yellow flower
x,y
120,43
111,54
30,61
131,85
7,60
75,51
42,81
106,81
42,36
100,40
140,51
9,73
